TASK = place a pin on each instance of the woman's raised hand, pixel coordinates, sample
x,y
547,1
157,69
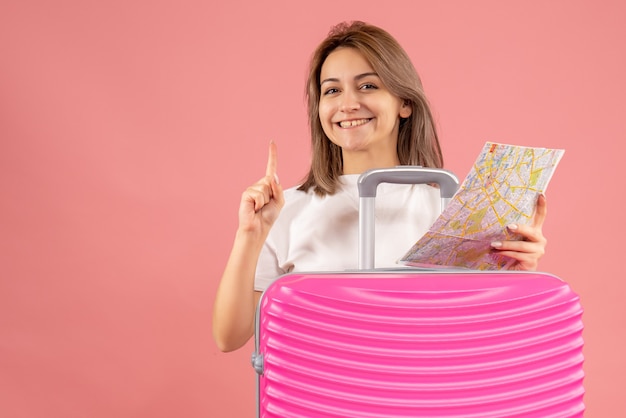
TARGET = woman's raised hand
x,y
261,203
236,299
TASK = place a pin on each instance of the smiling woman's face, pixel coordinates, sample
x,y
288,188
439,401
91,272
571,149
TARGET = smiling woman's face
x,y
356,110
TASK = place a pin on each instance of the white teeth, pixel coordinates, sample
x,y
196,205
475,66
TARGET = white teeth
x,y
352,123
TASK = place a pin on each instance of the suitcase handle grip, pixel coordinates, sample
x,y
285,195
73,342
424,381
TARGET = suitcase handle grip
x,y
408,174
368,183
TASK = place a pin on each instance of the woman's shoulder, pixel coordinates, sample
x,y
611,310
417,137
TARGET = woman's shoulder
x,y
295,194
296,199
299,202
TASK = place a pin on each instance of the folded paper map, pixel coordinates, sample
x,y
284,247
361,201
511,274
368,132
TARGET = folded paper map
x,y
502,188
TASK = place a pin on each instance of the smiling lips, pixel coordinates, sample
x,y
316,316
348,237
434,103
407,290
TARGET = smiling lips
x,y
353,123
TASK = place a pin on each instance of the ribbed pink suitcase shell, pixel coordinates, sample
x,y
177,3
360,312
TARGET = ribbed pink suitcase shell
x,y
419,344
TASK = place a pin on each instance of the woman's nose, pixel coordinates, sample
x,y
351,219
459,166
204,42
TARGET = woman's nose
x,y
349,102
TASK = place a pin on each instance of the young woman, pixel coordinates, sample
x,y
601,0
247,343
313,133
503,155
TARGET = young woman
x,y
367,109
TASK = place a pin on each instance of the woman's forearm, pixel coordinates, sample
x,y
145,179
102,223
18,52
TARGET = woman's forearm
x,y
235,300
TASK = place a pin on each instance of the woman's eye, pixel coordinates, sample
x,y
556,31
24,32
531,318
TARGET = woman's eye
x,y
330,91
368,86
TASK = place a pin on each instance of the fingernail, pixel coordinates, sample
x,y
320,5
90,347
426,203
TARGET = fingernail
x,y
276,178
512,227
496,244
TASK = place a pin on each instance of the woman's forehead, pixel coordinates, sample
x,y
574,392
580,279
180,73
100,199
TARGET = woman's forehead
x,y
345,63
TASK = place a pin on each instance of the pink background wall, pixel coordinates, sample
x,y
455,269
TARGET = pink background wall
x,y
128,130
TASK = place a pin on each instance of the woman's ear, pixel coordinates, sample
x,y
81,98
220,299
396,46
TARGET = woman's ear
x,y
406,109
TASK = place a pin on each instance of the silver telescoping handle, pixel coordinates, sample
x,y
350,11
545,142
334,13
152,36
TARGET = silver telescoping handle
x,y
368,183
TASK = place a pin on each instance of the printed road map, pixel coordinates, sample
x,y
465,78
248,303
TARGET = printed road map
x,y
502,188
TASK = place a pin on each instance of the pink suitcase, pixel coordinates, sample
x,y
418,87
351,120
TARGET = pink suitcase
x,y
418,343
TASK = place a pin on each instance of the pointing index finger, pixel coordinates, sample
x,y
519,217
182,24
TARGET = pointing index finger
x,y
272,161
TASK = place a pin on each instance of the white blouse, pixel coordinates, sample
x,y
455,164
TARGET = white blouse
x,y
318,234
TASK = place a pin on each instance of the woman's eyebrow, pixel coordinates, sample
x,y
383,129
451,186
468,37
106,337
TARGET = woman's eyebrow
x,y
360,76
357,77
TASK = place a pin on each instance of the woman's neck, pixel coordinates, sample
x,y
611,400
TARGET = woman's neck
x,y
355,162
